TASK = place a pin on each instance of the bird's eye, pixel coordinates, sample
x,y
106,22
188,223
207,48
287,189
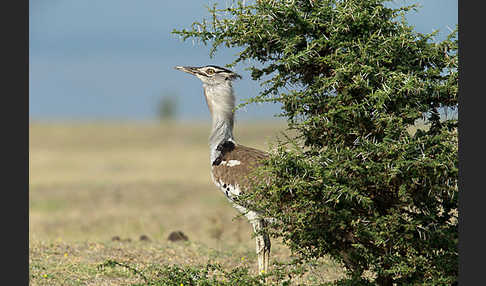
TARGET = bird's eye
x,y
210,71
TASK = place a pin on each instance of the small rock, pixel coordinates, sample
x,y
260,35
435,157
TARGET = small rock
x,y
177,235
115,238
143,237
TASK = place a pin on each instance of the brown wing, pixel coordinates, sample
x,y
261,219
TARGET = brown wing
x,y
236,166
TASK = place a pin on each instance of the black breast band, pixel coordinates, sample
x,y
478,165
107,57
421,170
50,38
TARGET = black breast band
x,y
223,148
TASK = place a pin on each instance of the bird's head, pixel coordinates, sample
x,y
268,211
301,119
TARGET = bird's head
x,y
211,75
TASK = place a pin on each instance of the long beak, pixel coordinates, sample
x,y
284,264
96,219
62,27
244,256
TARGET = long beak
x,y
191,70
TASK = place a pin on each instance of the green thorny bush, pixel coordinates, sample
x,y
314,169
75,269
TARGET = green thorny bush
x,y
352,78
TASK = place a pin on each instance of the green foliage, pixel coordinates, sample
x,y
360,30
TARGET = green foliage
x,y
204,275
167,108
352,76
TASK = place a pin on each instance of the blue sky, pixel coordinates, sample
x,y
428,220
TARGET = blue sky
x,y
114,59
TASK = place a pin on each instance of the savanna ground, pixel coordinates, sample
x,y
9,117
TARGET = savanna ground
x,y
97,188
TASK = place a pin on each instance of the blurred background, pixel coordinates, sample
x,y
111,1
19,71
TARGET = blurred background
x,y
118,154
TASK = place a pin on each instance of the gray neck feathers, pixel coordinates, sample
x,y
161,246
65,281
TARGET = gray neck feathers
x,y
221,102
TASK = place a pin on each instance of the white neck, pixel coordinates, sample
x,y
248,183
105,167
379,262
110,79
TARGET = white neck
x,y
221,102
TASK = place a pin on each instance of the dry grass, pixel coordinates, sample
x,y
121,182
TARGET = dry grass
x,y
91,182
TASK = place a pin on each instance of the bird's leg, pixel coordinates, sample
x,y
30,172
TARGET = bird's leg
x,y
262,245
266,251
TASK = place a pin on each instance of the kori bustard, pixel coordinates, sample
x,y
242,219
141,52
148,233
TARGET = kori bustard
x,y
231,163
